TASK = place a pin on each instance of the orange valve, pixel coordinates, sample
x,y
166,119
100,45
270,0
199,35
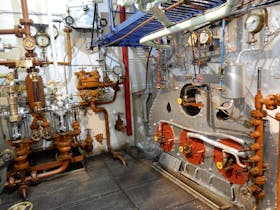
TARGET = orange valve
x,y
165,137
193,149
227,165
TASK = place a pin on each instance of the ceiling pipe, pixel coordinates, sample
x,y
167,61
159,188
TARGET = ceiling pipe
x,y
190,24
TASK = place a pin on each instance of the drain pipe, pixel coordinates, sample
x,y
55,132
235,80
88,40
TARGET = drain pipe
x,y
190,24
126,81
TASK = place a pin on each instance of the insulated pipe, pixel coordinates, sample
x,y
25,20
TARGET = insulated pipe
x,y
220,135
126,81
190,24
226,149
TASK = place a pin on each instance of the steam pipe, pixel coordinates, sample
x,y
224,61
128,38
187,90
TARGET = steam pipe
x,y
220,135
190,24
226,149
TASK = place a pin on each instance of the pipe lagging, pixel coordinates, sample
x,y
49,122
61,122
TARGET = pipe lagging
x,y
225,149
190,24
219,135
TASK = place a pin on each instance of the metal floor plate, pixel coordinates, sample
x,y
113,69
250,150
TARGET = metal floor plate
x,y
107,184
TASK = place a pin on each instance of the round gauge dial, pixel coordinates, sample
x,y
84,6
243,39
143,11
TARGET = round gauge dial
x,y
33,30
29,43
69,20
205,37
254,23
117,70
55,31
193,38
42,40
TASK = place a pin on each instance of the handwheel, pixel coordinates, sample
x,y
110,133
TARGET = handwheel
x,y
25,205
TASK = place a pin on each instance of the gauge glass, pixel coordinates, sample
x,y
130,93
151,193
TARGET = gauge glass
x,y
43,40
117,70
55,31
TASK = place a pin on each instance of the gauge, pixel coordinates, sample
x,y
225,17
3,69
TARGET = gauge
x,y
254,23
69,20
33,30
117,70
205,37
193,38
43,40
29,43
55,31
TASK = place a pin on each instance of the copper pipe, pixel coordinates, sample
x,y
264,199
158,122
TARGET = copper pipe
x,y
69,49
62,168
7,31
25,18
104,111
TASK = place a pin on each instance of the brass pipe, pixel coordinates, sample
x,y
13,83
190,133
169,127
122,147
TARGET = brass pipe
x,y
104,111
61,169
69,49
25,18
7,31
108,139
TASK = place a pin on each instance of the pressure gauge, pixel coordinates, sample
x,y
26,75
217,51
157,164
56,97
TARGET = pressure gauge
x,y
117,70
254,23
43,40
205,37
33,30
69,20
55,31
29,43
193,38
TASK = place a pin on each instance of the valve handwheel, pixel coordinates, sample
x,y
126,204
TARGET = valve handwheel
x,y
25,205
227,165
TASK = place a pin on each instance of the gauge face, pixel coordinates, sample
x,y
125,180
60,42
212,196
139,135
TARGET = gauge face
x,y
43,40
205,37
33,31
55,31
69,20
193,38
117,70
29,43
254,23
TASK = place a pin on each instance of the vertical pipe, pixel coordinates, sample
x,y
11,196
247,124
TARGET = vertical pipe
x,y
56,75
126,82
25,18
158,69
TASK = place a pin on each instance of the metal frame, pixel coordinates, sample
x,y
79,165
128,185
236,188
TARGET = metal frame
x,y
183,12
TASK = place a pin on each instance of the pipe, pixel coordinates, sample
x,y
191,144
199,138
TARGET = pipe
x,y
190,24
220,135
128,115
106,118
54,53
158,67
278,174
226,149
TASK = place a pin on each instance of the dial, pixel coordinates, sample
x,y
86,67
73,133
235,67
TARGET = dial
x,y
69,20
33,30
55,31
193,38
205,37
117,70
254,23
42,40
29,43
